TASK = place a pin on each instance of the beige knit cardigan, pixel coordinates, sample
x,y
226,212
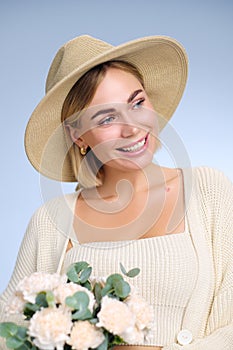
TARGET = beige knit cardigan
x,y
209,200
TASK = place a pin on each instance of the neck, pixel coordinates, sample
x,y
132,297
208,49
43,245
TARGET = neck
x,y
138,179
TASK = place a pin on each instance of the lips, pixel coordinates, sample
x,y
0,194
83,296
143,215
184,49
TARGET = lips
x,y
135,147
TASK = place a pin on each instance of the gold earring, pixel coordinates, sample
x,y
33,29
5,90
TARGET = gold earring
x,y
83,151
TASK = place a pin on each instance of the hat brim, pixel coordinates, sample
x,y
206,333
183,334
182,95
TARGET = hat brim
x,y
161,60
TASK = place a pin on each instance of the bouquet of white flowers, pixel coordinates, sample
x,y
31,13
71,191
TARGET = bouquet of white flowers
x,y
75,311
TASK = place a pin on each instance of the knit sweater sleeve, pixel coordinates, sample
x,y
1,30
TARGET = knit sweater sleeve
x,y
218,204
26,263
39,251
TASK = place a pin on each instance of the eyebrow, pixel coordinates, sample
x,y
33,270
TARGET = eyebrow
x,y
103,111
111,110
133,95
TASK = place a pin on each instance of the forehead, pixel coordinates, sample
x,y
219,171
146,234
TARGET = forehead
x,y
116,87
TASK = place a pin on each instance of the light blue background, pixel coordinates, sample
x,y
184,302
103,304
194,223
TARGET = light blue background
x,y
32,31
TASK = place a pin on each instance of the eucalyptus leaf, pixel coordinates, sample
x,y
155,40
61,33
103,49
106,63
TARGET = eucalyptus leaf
x,y
87,285
97,292
122,289
27,346
22,333
123,270
50,299
41,299
30,309
72,274
13,343
134,272
85,274
8,329
114,278
107,289
78,300
82,314
93,320
81,265
131,273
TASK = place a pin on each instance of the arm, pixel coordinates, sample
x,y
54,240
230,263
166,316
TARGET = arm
x,y
26,263
219,327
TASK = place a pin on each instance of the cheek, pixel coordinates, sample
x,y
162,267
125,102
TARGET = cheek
x,y
102,144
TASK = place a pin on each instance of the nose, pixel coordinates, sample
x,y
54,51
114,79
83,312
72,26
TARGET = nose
x,y
129,130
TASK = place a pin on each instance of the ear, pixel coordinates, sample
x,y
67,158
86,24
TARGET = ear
x,y
79,141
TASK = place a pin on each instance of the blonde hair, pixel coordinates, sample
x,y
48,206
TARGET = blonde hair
x,y
88,169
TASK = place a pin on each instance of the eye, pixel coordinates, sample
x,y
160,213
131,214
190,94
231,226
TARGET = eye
x,y
109,119
137,104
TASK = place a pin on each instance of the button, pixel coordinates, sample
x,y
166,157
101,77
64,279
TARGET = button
x,y
184,337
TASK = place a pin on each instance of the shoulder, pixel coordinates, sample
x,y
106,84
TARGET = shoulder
x,y
54,211
209,179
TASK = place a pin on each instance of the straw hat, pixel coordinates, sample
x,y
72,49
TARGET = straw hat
x,y
161,60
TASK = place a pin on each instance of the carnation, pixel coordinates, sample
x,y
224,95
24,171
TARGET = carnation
x,y
84,336
39,282
50,328
68,289
115,316
141,309
135,336
15,304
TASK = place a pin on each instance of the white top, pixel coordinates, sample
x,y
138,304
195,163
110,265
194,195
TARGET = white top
x,y
168,273
207,323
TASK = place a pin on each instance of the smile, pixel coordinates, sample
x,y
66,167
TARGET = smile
x,y
136,147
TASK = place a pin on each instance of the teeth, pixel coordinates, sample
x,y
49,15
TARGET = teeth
x,y
134,148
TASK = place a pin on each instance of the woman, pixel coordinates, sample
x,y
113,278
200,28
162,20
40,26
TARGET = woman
x,y
99,125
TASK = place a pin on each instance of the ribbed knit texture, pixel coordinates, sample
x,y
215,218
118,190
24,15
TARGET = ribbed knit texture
x,y
168,270
209,311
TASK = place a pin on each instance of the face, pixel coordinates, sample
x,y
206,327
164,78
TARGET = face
x,y
120,125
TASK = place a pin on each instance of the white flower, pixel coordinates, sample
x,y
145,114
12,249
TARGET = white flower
x,y
115,316
15,304
68,289
135,336
84,336
141,309
39,282
50,327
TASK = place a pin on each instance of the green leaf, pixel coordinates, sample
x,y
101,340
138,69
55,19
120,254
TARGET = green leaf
x,y
82,314
50,299
134,272
27,346
131,273
114,278
72,274
85,274
123,270
41,300
81,265
122,289
30,309
97,292
78,300
14,343
22,333
87,285
107,289
76,272
8,329
93,320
